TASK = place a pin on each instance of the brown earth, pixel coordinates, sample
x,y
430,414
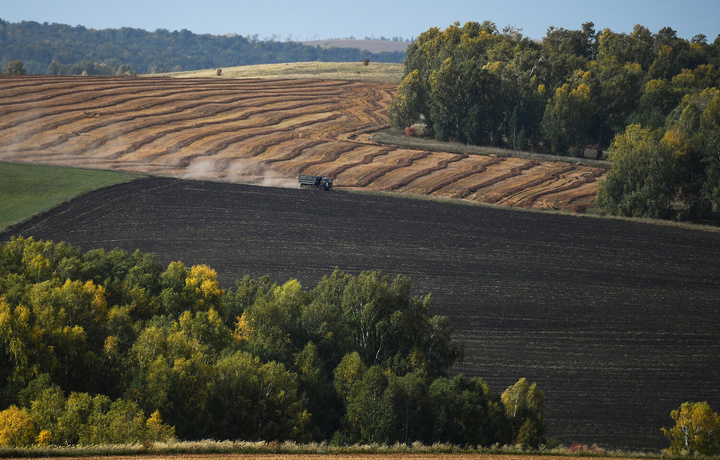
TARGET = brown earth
x,y
258,131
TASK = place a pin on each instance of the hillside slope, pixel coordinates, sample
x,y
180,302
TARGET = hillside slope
x,y
373,46
259,131
616,321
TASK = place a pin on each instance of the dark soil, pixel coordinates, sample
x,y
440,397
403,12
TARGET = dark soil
x,y
618,322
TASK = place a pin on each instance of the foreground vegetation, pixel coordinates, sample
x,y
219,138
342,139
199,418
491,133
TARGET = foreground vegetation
x,y
123,352
575,91
108,348
280,450
30,189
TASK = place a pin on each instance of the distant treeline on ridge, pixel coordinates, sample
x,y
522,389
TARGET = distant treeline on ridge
x,y
62,49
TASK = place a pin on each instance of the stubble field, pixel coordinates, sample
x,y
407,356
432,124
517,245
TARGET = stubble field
x,y
259,131
616,321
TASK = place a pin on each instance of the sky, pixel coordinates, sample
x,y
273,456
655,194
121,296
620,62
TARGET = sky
x,y
302,20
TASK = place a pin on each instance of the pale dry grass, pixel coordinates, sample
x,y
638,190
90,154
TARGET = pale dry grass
x,y
275,450
354,71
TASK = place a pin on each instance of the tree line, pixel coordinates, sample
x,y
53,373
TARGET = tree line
x,y
109,347
574,91
58,49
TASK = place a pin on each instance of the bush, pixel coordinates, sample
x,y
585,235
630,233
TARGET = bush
x,y
14,68
579,208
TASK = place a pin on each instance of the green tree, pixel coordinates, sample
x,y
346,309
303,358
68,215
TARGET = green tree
x,y
463,102
116,422
350,370
271,326
73,422
367,413
567,121
412,407
409,104
641,179
318,391
252,400
618,92
696,430
47,409
619,49
14,68
207,328
233,395
282,413
525,404
463,413
238,300
156,430
693,129
658,99
388,326
710,130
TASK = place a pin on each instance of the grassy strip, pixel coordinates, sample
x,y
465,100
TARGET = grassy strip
x,y
391,137
398,451
26,190
356,71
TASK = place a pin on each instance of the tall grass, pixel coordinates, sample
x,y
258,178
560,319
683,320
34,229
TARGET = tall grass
x,y
26,190
210,447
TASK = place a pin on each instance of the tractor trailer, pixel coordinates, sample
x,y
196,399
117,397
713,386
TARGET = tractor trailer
x,y
319,182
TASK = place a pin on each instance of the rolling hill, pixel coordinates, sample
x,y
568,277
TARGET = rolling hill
x,y
255,131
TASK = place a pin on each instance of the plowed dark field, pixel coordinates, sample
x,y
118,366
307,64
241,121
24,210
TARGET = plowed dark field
x,y
616,321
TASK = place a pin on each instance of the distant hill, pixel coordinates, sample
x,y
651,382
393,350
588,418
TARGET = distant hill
x,y
373,46
59,49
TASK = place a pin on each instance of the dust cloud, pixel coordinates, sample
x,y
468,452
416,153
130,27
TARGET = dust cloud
x,y
241,171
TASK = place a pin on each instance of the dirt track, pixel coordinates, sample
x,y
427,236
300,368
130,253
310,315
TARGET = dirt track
x,y
258,131
618,322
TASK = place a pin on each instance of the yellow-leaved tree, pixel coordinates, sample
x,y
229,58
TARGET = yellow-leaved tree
x,y
203,287
696,430
16,428
525,405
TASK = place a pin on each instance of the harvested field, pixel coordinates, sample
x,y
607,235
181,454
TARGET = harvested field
x,y
616,321
258,131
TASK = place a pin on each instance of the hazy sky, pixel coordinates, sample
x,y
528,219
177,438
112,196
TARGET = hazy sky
x,y
321,19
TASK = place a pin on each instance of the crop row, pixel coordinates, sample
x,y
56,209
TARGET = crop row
x,y
248,130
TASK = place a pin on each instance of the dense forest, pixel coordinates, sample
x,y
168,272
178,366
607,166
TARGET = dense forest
x,y
57,49
109,347
650,99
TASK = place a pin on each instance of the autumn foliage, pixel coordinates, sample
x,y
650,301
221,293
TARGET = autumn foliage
x,y
696,430
107,348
